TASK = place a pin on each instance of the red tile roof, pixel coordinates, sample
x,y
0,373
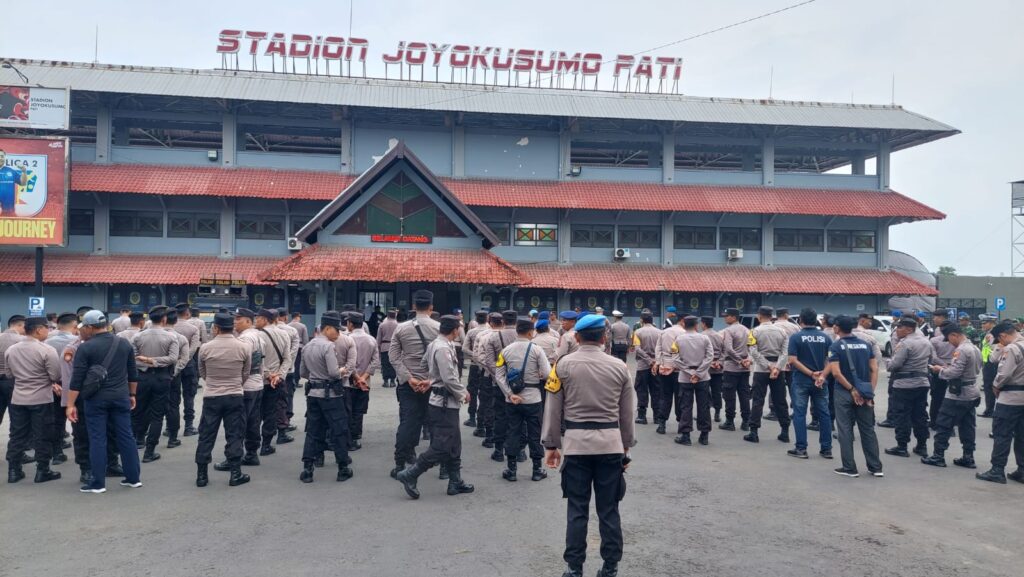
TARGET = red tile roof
x,y
792,280
125,268
575,194
395,265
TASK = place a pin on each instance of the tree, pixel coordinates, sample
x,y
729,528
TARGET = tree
x,y
947,270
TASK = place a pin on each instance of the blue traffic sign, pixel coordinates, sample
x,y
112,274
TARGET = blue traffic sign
x,y
1000,303
36,306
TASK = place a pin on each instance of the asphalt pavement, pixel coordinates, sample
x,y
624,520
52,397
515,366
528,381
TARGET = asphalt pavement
x,y
728,509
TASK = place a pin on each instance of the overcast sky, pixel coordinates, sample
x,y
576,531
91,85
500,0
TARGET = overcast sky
x,y
961,63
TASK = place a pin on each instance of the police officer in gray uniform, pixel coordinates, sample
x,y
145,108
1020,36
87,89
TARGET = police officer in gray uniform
x,y
768,348
492,348
695,355
156,354
962,396
366,363
408,345
908,373
621,335
447,393
520,372
325,399
1008,418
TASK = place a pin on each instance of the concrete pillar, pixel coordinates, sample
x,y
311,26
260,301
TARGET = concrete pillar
x,y
767,240
104,134
321,300
229,140
768,161
101,227
227,229
564,152
882,244
668,157
857,163
347,164
564,236
883,165
458,151
667,239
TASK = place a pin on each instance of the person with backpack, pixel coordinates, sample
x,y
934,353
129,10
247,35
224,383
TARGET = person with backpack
x,y
520,372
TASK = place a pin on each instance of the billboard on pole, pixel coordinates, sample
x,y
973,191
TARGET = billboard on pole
x,y
33,191
34,107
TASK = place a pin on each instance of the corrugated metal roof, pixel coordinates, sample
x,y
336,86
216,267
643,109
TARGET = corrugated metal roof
x,y
379,93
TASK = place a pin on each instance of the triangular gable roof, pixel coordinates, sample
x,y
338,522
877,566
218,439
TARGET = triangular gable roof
x,y
399,153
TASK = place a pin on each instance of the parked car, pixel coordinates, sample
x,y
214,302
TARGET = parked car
x,y
881,329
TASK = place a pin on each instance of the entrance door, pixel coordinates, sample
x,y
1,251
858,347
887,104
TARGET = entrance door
x,y
385,299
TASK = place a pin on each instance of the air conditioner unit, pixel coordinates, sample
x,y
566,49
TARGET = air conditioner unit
x,y
734,253
622,253
295,244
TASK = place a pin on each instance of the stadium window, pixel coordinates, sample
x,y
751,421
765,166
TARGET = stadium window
x,y
500,230
745,238
593,235
851,241
136,223
799,240
80,221
190,225
536,235
639,236
863,241
698,237
259,226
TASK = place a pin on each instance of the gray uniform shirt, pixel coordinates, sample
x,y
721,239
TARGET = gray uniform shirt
x,y
294,343
272,363
367,354
320,363
734,348
694,353
251,337
492,347
566,344
442,369
184,352
1011,372
302,331
478,346
385,331
716,344
129,334
912,355
408,348
769,340
535,373
622,334
345,349
965,365
664,356
547,342
7,339
224,364
943,350
645,341
469,345
121,323
204,333
34,366
191,333
159,344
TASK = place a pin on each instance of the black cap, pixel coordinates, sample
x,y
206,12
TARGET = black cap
x,y
524,326
909,323
355,317
245,313
422,298
940,313
509,317
481,316
846,323
732,312
766,311
1001,328
158,310
330,320
952,329
31,323
494,317
181,307
448,324
224,321
269,314
781,311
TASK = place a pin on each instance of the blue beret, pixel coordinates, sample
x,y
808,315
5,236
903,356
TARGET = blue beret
x,y
964,315
542,324
589,322
897,314
567,315
922,315
670,309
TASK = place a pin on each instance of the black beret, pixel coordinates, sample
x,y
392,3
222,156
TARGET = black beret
x,y
940,313
732,312
356,317
524,325
494,317
509,317
909,323
246,313
766,311
181,307
269,314
224,321
159,310
31,323
448,324
782,311
330,320
481,316
423,297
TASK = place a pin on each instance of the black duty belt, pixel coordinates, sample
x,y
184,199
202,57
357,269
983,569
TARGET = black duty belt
x,y
693,367
590,425
771,359
908,375
1005,388
323,384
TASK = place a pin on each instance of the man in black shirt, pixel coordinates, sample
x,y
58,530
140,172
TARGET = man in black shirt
x,y
111,405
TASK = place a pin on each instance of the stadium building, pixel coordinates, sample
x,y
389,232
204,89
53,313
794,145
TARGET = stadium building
x,y
320,190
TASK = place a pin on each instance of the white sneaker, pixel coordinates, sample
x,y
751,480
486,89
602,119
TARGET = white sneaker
x,y
125,483
877,474
88,489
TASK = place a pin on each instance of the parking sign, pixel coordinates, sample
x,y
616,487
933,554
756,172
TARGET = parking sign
x,y
36,306
1000,303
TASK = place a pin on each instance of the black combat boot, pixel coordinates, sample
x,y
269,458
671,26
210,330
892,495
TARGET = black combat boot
x,y
683,439
399,467
470,422
59,458
266,448
900,450
408,476
114,469
479,432
744,425
488,438
150,455
140,443
938,459
718,415
641,417
224,465
85,477
44,474
509,474
202,476
283,437
173,442
752,437
661,428
1017,475
251,460
344,473
498,454
539,474
967,462
237,476
728,425
306,476
442,472
784,435
189,430
14,472
921,448
608,570
354,445
887,424
993,475
703,439
521,457
771,416
456,486
318,461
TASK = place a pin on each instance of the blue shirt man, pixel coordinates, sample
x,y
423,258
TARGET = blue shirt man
x,y
860,353
10,178
852,360
808,355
